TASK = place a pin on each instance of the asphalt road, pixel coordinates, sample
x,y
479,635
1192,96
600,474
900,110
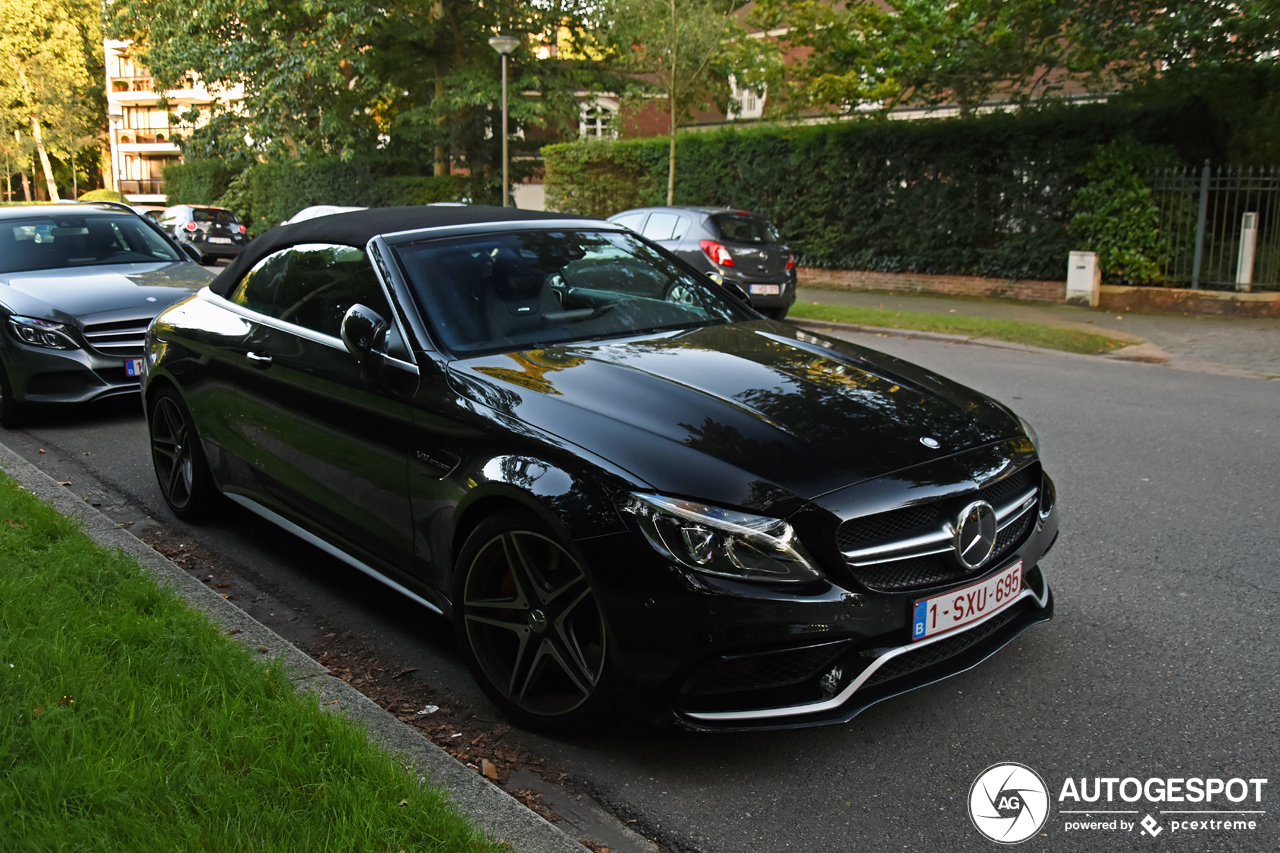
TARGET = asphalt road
x,y
1159,664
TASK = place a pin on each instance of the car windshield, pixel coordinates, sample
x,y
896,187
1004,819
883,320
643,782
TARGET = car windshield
x,y
525,290
60,241
745,228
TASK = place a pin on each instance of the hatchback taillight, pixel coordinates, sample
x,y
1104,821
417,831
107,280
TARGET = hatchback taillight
x,y
717,253
791,260
192,227
242,229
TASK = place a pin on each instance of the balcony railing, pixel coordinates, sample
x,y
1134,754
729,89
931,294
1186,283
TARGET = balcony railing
x,y
145,136
132,84
142,187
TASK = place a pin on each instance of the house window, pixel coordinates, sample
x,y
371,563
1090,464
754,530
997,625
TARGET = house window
x,y
750,103
598,119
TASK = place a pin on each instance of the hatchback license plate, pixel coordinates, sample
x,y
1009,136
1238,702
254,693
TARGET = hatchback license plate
x,y
133,367
764,290
219,239
942,613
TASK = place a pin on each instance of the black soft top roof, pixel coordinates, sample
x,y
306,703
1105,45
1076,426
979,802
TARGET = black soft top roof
x,y
358,227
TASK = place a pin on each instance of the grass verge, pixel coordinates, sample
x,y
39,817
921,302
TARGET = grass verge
x,y
1014,331
127,722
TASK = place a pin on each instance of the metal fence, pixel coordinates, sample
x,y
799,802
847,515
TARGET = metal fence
x,y
1220,228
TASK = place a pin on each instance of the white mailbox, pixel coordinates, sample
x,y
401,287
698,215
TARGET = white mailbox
x,y
1084,279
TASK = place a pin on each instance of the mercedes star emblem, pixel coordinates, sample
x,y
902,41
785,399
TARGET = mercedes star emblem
x,y
975,534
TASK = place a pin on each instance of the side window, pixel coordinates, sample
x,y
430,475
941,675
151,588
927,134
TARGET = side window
x,y
632,221
666,226
313,286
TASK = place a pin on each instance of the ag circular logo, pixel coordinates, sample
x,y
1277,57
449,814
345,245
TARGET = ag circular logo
x,y
1009,803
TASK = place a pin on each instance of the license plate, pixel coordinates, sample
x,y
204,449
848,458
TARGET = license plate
x,y
942,613
219,239
133,367
765,289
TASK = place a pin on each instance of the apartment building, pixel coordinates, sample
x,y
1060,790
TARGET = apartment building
x,y
142,134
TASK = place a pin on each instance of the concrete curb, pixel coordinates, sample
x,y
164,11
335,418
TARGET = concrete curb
x,y
489,807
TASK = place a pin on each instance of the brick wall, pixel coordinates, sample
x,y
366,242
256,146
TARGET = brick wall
x,y
960,285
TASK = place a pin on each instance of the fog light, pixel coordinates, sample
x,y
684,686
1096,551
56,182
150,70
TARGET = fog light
x,y
830,682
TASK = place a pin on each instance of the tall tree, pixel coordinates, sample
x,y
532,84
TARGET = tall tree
x,y
680,48
43,72
887,53
353,77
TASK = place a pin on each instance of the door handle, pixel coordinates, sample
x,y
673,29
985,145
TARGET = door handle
x,y
262,362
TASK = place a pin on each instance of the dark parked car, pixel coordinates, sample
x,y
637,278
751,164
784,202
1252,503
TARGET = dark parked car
x,y
626,488
78,287
213,232
736,245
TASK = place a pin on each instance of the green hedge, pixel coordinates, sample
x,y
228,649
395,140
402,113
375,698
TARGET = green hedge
x,y
266,194
197,181
103,195
987,196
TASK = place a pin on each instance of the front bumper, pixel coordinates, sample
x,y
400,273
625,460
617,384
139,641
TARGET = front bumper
x,y
65,376
710,654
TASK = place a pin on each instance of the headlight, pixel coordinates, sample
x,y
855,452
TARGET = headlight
x,y
42,333
1031,433
719,541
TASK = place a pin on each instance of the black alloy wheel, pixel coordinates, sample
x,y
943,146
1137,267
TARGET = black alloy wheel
x,y
11,410
181,467
530,625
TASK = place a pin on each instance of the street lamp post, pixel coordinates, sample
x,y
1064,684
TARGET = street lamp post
x,y
504,45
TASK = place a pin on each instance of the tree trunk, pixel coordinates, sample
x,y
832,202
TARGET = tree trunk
x,y
44,158
26,187
671,102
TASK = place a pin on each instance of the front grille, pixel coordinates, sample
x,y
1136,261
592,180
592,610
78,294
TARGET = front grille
x,y
1005,490
886,525
118,340
912,573
911,548
764,671
917,659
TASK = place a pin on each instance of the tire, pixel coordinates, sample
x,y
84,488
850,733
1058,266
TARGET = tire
x,y
529,623
775,313
182,471
12,411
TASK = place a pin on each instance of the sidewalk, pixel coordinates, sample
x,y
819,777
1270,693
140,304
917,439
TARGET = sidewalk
x,y
1209,344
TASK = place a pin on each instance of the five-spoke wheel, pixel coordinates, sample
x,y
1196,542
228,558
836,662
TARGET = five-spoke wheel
x,y
530,624
181,468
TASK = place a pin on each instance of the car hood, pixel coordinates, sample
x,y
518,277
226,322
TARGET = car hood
x,y
743,413
96,292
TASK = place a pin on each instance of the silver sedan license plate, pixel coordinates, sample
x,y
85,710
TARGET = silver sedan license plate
x,y
942,613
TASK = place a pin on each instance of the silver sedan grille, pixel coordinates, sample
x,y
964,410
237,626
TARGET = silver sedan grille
x,y
119,340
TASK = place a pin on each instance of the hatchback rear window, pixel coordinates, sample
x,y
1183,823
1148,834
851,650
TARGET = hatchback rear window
x,y
744,228
204,214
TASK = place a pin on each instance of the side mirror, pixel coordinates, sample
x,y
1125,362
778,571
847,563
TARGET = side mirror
x,y
191,251
364,333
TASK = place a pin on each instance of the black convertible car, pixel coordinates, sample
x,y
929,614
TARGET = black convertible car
x,y
626,488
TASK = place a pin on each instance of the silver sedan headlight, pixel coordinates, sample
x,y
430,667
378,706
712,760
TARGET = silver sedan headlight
x,y
42,333
721,542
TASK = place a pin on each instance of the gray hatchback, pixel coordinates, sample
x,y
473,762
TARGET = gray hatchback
x,y
737,245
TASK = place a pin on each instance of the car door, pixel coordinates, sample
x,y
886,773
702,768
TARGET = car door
x,y
327,440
